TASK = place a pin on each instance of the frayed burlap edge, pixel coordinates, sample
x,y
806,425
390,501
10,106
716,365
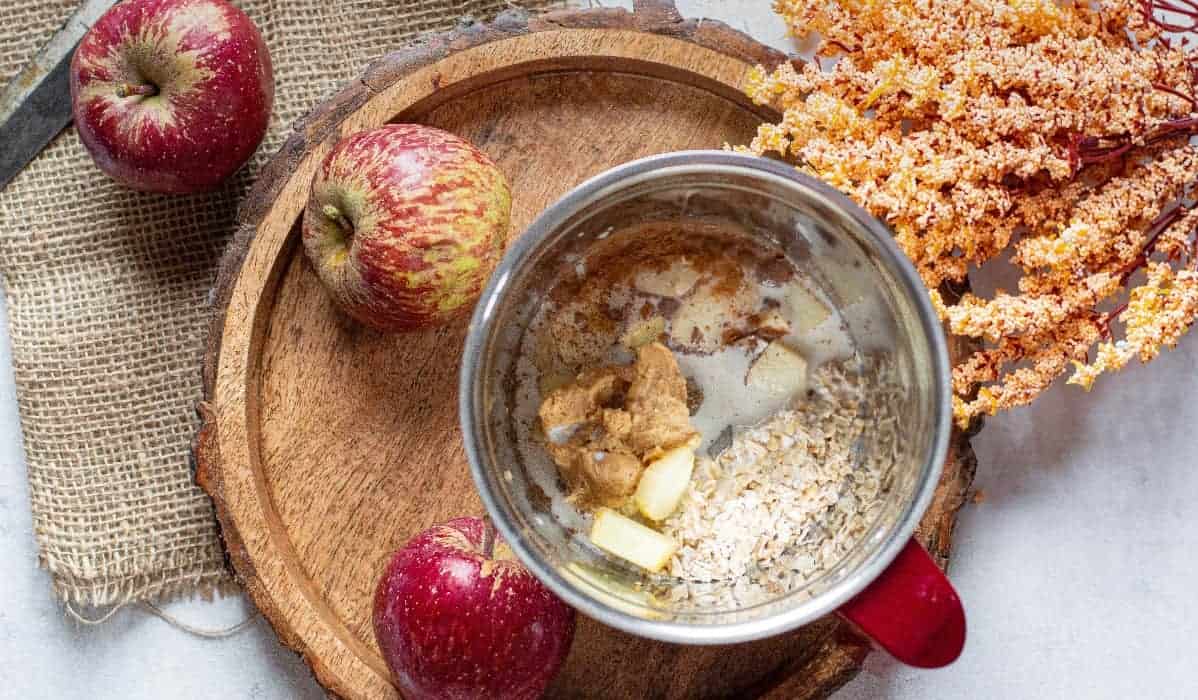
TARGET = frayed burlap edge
x,y
108,310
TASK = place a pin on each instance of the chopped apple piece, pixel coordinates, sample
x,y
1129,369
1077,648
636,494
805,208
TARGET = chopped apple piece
x,y
698,322
629,540
644,332
771,324
778,371
801,305
674,281
664,482
710,311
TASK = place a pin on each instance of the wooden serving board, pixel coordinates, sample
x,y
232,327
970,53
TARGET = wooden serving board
x,y
325,446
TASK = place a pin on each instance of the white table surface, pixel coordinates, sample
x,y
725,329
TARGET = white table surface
x,y
1078,571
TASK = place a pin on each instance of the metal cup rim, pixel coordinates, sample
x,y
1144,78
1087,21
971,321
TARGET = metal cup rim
x,y
551,220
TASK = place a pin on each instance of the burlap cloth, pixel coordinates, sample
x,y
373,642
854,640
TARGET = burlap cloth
x,y
107,303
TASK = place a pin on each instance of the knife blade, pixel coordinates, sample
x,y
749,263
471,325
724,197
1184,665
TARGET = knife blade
x,y
36,105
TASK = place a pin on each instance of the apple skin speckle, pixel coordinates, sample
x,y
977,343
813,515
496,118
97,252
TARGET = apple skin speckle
x,y
172,95
405,224
455,623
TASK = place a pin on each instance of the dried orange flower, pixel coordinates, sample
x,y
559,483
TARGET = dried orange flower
x,y
1055,130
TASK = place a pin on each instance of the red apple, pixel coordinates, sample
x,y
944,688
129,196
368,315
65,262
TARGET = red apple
x,y
458,619
404,225
171,95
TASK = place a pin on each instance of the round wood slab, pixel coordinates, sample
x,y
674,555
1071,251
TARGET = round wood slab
x,y
325,446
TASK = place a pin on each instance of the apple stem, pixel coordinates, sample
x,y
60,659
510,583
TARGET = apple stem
x,y
334,214
488,536
128,89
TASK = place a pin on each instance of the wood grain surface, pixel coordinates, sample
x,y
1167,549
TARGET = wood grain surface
x,y
325,445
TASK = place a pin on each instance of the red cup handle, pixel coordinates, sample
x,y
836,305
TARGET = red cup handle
x,y
911,611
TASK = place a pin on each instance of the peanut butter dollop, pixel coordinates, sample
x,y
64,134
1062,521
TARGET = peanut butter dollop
x,y
602,428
